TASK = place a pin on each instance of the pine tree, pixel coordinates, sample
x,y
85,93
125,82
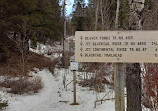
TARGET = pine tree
x,y
29,20
78,15
124,15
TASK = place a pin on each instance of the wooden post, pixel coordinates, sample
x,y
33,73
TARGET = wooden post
x,y
74,68
118,74
74,80
119,87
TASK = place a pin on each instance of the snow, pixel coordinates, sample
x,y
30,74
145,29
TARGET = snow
x,y
44,49
48,99
53,93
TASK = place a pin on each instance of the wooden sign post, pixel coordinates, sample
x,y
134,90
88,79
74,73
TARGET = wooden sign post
x,y
117,47
74,68
74,81
119,86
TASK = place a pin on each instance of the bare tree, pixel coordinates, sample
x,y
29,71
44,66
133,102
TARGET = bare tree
x,y
23,44
63,39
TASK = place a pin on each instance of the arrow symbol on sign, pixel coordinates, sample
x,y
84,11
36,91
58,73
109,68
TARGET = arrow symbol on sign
x,y
81,49
81,43
81,55
81,37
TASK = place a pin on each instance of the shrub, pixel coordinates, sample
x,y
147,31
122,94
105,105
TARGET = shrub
x,y
22,85
52,65
3,104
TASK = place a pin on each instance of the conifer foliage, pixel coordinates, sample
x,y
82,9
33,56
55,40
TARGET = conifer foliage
x,y
24,20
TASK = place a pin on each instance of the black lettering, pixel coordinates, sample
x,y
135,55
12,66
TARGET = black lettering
x,y
93,55
132,43
113,55
116,43
105,38
91,38
103,49
131,49
141,43
88,49
138,49
121,49
114,37
154,43
121,37
129,37
126,43
100,43
144,49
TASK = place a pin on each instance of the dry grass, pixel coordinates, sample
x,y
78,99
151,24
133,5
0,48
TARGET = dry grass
x,y
13,66
17,82
38,61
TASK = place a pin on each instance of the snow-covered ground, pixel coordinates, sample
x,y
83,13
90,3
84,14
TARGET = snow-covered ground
x,y
43,49
52,96
48,99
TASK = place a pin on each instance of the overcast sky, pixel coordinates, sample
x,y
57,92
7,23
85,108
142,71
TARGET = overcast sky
x,y
69,6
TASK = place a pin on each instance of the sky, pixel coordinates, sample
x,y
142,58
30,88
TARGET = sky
x,y
69,6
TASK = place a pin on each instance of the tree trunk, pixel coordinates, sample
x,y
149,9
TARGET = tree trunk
x,y
24,45
133,80
14,36
117,14
63,56
102,15
133,84
96,15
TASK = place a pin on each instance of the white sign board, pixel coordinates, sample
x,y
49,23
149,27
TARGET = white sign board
x,y
73,65
116,46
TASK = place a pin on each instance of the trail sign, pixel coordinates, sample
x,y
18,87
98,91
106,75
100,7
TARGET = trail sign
x,y
73,65
116,46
